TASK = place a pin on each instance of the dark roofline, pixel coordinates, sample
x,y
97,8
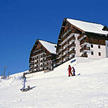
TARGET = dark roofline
x,y
102,35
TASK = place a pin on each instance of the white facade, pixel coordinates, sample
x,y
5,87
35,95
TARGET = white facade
x,y
78,47
97,51
107,48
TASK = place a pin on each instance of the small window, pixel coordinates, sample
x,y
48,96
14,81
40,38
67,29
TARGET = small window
x,y
73,56
99,46
99,53
73,43
92,53
91,46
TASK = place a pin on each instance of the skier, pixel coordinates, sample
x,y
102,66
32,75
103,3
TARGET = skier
x,y
24,82
73,71
69,71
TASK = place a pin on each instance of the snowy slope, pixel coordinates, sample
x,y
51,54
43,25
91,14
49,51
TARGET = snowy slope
x,y
56,90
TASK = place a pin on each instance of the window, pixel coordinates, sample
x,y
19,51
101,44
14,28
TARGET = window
x,y
99,53
70,42
73,43
92,53
64,47
41,60
73,35
91,46
99,46
73,56
64,59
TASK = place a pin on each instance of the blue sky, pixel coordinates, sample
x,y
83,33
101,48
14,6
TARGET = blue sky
x,y
24,21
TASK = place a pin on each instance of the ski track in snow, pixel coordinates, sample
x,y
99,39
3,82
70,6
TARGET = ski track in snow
x,y
55,89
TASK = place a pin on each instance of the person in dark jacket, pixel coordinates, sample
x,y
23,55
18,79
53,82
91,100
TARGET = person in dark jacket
x,y
73,71
69,71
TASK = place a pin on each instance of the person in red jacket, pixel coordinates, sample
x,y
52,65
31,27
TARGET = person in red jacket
x,y
69,71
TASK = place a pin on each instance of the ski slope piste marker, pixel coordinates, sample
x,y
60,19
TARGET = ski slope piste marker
x,y
73,62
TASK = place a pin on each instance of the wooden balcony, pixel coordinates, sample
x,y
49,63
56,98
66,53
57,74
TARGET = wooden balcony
x,y
58,60
72,45
66,34
36,52
64,50
72,52
71,38
60,52
84,55
66,41
84,48
84,40
80,36
65,56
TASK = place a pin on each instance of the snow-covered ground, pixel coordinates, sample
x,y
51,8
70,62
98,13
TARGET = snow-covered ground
x,y
56,90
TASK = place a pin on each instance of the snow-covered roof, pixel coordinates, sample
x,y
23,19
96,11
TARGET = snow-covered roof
x,y
51,47
88,27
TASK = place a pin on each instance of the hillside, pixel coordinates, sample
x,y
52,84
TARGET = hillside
x,y
56,90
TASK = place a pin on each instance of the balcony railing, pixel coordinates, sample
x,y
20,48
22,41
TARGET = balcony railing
x,y
69,37
84,55
72,51
72,45
66,32
84,48
36,51
85,43
82,37
84,40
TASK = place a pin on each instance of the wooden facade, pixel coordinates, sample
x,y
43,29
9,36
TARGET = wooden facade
x,y
41,59
66,42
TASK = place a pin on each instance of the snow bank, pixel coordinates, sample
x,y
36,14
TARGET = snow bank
x,y
55,89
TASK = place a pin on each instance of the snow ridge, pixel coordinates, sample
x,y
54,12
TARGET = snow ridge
x,y
55,89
